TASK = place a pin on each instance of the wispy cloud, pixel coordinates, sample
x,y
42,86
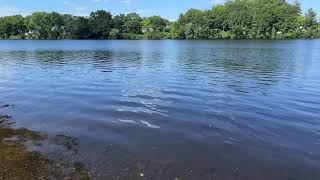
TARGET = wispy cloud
x,y
7,11
74,6
127,2
146,12
99,1
215,2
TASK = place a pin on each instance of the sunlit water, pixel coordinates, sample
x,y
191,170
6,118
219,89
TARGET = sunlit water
x,y
170,109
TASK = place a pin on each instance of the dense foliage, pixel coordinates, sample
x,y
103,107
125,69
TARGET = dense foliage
x,y
236,19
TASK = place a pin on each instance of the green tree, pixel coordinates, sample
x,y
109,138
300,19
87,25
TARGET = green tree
x,y
114,34
177,31
119,21
235,19
310,24
188,22
101,23
38,25
132,23
311,19
155,27
57,25
12,27
79,28
239,18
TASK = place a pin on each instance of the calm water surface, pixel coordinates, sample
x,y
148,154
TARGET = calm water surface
x,y
227,110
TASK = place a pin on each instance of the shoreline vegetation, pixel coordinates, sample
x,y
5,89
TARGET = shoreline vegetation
x,y
235,19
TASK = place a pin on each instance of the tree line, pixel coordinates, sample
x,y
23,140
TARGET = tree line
x,y
235,19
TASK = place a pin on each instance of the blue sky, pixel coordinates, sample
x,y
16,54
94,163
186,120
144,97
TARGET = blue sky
x,y
169,9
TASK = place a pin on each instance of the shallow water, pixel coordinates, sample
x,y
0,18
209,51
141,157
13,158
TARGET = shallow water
x,y
165,109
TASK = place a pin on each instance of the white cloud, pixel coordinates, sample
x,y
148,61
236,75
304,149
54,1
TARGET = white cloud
x,y
215,2
146,12
74,6
127,2
99,1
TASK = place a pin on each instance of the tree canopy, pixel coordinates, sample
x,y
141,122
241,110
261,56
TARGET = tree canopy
x,y
235,19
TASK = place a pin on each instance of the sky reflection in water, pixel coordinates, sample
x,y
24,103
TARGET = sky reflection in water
x,y
165,109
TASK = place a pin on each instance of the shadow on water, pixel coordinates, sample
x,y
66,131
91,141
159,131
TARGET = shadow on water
x,y
18,162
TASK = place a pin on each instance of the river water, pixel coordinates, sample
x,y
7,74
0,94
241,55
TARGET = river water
x,y
227,110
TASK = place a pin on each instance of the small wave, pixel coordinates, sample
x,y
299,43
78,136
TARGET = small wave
x,y
149,125
127,121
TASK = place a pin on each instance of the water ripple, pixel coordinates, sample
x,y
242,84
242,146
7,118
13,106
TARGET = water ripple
x,y
244,98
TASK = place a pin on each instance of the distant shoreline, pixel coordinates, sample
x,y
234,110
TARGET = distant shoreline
x,y
235,19
318,38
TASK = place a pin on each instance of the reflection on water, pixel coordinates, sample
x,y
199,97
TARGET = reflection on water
x,y
162,109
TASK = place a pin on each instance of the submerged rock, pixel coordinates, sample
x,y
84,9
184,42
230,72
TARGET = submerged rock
x,y
17,162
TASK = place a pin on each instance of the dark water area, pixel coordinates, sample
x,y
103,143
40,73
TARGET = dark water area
x,y
179,110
